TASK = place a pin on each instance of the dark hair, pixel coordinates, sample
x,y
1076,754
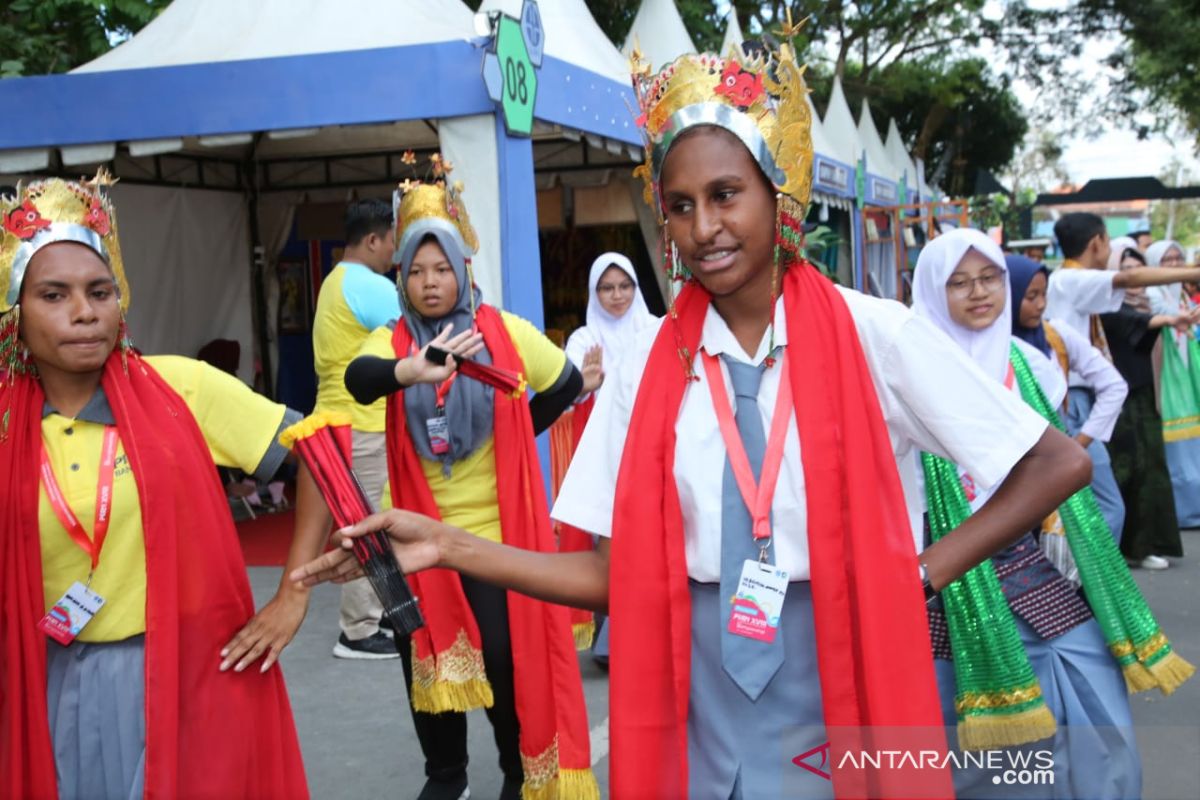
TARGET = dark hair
x,y
1134,254
1075,230
364,217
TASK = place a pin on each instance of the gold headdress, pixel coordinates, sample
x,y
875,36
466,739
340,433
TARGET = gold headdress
x,y
424,207
759,99
53,210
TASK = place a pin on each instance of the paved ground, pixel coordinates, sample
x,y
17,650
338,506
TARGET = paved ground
x,y
358,739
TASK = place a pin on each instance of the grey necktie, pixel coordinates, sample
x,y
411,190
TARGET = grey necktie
x,y
751,664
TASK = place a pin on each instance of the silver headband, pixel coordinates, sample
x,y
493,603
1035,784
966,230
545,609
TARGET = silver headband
x,y
722,116
417,230
57,232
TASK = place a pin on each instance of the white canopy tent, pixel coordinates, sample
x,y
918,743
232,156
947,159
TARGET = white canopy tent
x,y
659,32
879,161
903,160
840,130
232,165
733,34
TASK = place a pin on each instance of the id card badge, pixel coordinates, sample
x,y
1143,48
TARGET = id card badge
x,y
759,601
69,615
439,435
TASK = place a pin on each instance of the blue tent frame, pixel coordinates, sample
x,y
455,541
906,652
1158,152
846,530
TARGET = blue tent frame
x,y
425,81
342,88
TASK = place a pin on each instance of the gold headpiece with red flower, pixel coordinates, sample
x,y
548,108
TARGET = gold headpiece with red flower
x,y
759,99
422,206
53,210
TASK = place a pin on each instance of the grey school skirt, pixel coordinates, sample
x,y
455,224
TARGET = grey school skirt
x,y
95,694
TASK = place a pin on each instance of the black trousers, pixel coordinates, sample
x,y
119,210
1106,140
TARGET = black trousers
x,y
443,736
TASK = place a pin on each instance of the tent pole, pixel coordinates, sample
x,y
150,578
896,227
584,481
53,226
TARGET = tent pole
x,y
258,269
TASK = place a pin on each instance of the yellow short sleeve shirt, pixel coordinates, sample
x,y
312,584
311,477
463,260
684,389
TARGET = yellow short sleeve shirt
x,y
239,427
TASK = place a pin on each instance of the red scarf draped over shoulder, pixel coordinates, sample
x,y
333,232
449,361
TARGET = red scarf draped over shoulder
x,y
209,734
871,630
447,659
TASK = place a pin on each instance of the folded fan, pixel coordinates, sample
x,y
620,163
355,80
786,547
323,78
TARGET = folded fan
x,y
323,440
507,381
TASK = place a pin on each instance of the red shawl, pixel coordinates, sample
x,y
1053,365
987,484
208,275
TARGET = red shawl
x,y
209,734
872,636
549,691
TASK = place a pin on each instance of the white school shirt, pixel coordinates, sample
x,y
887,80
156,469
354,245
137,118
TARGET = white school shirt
x,y
932,397
1073,295
1094,370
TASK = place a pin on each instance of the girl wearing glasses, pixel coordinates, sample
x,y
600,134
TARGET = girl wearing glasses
x,y
1024,658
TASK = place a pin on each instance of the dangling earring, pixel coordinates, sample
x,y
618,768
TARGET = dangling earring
x,y
124,343
789,249
677,274
14,355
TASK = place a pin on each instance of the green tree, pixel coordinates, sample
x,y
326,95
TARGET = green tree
x,y
1176,219
1162,39
956,116
38,37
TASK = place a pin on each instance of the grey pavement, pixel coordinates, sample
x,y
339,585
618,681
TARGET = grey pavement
x,y
358,741
355,726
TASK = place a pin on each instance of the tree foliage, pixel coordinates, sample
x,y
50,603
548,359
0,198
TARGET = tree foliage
x,y
38,37
1161,53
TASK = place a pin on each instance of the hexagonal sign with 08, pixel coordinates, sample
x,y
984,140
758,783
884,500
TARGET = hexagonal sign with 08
x,y
518,77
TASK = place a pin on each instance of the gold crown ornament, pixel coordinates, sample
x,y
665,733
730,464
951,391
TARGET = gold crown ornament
x,y
422,207
53,210
761,99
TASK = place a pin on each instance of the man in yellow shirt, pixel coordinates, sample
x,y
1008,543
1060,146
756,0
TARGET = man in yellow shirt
x,y
356,299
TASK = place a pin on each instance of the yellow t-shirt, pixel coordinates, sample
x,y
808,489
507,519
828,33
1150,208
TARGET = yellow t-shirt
x,y
468,498
352,303
239,427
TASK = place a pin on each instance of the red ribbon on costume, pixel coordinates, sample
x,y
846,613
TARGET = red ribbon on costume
x,y
868,608
95,543
757,497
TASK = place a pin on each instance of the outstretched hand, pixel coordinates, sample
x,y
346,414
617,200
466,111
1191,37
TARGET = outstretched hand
x,y
414,541
419,369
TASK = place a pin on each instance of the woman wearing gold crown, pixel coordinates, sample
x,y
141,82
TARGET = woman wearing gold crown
x,y
464,452
121,577
750,465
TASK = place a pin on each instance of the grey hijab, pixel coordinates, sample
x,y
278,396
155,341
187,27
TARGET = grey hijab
x,y
469,404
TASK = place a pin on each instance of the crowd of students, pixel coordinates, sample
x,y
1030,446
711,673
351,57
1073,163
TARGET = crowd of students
x,y
819,514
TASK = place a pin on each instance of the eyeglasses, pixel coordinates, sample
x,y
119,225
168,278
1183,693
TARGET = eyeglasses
x,y
963,287
614,288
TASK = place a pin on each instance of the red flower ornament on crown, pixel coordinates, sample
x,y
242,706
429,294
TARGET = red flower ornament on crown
x,y
97,218
25,221
741,87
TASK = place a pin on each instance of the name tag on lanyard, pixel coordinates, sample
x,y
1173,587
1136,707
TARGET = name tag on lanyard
x,y
80,604
757,604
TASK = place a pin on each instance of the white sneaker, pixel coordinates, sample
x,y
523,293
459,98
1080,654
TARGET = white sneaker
x,y
1155,562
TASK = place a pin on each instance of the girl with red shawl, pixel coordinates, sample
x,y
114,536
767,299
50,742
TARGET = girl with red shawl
x,y
462,451
121,578
719,688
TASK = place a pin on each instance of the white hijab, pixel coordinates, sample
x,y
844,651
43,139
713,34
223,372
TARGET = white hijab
x,y
989,347
1164,299
615,335
1119,246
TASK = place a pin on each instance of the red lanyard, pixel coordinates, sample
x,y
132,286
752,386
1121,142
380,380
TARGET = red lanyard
x,y
108,457
443,388
1009,377
756,497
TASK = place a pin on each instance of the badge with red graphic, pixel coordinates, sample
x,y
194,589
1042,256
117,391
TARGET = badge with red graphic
x,y
968,487
740,86
755,609
24,221
69,615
